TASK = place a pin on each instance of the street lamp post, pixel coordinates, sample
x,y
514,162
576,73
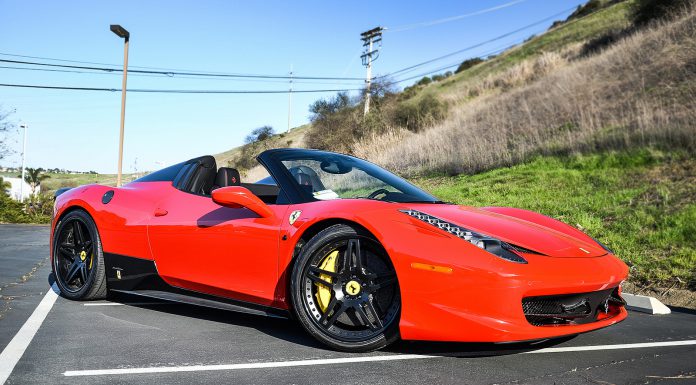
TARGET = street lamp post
x,y
25,127
121,32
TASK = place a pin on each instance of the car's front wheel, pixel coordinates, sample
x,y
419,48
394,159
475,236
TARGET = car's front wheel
x,y
78,260
345,292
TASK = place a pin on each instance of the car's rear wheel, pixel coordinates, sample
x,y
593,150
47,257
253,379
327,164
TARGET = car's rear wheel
x,y
78,260
345,292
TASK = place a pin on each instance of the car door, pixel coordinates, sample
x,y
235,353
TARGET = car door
x,y
199,245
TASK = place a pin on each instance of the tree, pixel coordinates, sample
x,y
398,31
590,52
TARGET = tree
x,y
381,88
34,177
6,126
259,134
323,108
468,63
424,81
4,186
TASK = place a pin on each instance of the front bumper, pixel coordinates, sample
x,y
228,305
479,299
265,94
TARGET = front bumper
x,y
480,297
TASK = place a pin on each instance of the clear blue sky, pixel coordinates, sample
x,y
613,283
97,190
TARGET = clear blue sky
x,y
79,130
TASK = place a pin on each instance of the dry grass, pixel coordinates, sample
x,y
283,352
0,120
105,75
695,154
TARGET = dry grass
x,y
641,91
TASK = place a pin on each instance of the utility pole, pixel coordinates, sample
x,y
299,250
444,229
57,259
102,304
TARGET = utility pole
x,y
25,127
290,99
369,38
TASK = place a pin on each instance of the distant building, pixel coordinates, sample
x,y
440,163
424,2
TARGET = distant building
x,y
15,188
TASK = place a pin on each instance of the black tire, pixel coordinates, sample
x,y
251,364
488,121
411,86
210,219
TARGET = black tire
x,y
78,258
364,308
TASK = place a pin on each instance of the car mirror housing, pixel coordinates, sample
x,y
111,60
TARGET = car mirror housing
x,y
238,197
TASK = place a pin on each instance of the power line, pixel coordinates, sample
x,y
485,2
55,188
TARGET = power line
x,y
117,66
481,43
337,82
457,64
165,91
172,73
451,18
498,49
565,24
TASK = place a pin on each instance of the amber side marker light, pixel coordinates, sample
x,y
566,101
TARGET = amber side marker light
x,y
437,269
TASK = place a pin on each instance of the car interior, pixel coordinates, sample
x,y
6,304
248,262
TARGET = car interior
x,y
202,176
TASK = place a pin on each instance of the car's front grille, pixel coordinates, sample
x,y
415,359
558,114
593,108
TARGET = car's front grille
x,y
571,309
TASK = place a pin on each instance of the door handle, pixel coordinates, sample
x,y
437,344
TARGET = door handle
x,y
161,212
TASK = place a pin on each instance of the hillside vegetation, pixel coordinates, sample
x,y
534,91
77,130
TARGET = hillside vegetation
x,y
641,203
595,82
639,91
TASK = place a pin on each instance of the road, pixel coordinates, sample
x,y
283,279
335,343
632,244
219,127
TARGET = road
x,y
126,340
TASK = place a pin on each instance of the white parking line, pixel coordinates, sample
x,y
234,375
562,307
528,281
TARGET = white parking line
x,y
256,365
614,347
15,349
347,360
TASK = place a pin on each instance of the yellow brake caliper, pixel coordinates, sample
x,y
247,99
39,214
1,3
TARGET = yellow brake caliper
x,y
323,291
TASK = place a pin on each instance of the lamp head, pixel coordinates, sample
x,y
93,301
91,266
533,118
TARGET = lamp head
x,y
119,31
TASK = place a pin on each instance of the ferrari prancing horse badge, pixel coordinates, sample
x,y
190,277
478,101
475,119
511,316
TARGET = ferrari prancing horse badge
x,y
294,215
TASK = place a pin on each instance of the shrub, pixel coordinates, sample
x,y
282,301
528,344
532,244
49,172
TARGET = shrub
x,y
333,123
468,63
39,207
601,42
11,210
259,134
424,81
416,115
247,157
645,11
335,131
323,108
438,77
586,9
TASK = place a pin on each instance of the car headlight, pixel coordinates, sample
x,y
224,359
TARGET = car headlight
x,y
494,246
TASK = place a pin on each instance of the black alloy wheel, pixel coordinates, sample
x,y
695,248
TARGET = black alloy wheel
x,y
78,262
345,290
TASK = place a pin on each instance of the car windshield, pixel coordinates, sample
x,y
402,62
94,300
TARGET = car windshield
x,y
335,176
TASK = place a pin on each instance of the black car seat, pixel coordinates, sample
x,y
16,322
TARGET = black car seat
x,y
202,181
226,176
307,178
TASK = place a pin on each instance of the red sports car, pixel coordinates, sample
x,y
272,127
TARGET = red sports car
x,y
357,255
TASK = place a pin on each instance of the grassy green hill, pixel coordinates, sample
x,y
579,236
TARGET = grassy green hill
x,y
570,34
642,203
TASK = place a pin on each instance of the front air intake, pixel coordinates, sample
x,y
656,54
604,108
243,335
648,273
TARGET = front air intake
x,y
571,309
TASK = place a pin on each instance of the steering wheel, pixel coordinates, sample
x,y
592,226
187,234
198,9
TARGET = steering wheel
x,y
374,194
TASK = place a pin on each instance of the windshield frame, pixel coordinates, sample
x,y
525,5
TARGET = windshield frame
x,y
273,161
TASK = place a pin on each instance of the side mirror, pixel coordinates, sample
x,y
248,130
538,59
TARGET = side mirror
x,y
237,197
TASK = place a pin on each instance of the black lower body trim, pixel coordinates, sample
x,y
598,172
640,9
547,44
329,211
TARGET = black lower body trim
x,y
139,277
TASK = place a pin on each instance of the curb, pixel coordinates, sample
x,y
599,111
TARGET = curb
x,y
645,304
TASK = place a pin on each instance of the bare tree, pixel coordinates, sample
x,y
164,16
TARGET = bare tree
x,y
6,127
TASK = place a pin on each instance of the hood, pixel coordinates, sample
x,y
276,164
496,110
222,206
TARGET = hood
x,y
515,231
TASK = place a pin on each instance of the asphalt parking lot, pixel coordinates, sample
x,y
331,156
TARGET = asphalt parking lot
x,y
131,340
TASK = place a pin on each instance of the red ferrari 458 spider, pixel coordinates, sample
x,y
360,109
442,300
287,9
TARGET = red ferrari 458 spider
x,y
358,256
